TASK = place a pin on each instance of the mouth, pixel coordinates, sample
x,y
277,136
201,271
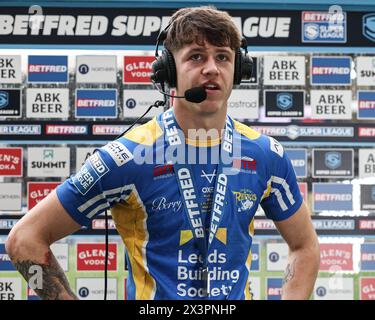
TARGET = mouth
x,y
211,86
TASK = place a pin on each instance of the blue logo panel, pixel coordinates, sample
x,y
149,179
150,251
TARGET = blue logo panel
x,y
298,158
96,103
274,288
332,196
368,257
366,104
5,263
255,257
48,69
331,70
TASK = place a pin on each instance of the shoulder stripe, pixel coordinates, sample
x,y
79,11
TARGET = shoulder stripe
x,y
146,133
246,130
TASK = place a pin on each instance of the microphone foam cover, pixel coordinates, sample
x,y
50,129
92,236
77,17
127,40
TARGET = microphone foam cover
x,y
196,94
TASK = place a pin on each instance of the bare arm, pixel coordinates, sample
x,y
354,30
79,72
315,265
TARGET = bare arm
x,y
304,255
28,246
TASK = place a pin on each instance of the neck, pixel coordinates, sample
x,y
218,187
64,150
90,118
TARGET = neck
x,y
190,120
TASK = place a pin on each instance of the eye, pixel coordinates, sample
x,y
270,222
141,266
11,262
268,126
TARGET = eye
x,y
222,57
196,57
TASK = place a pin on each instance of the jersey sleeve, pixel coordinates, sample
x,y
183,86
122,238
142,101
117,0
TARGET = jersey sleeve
x,y
104,180
283,197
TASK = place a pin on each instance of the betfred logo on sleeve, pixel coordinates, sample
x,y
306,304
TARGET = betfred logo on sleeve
x,y
11,162
37,191
137,69
91,256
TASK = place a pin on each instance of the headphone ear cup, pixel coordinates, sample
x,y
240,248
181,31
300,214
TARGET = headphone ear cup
x,y
237,67
171,69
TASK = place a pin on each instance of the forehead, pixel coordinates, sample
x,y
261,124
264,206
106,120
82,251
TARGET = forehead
x,y
204,47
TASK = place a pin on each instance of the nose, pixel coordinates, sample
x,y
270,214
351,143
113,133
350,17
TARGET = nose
x,y
210,67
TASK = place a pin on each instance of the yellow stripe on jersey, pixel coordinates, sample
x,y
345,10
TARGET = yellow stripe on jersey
x,y
146,133
246,130
185,236
130,219
221,235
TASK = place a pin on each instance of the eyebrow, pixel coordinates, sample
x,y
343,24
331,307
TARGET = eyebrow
x,y
201,49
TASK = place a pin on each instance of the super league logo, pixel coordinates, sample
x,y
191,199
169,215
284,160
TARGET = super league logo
x,y
368,27
284,101
4,99
333,160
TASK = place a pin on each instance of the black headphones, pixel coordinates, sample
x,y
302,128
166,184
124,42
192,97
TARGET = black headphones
x,y
164,67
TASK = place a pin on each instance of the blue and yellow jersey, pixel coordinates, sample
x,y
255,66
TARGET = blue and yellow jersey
x,y
130,177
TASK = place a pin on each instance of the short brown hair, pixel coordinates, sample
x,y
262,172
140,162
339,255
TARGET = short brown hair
x,y
189,25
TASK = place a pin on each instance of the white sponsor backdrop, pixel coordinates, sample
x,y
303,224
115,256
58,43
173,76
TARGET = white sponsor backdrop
x,y
331,104
277,256
61,252
136,102
10,196
255,287
10,288
366,163
244,104
47,103
284,70
10,69
96,69
93,289
334,288
82,154
365,67
58,156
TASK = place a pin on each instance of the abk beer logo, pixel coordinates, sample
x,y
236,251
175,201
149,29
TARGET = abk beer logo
x,y
47,103
334,288
368,197
11,196
288,104
96,69
10,69
366,163
368,256
367,288
136,102
331,104
48,69
48,162
331,70
91,256
244,104
366,105
10,288
333,163
137,69
323,27
10,103
365,67
273,288
37,191
11,162
284,70
298,157
93,288
368,26
336,256
332,196
91,103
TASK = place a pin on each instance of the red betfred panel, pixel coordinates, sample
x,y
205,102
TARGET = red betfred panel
x,y
91,256
137,69
11,162
336,257
37,191
367,288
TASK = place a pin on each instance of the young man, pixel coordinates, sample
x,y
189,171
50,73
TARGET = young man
x,y
187,224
